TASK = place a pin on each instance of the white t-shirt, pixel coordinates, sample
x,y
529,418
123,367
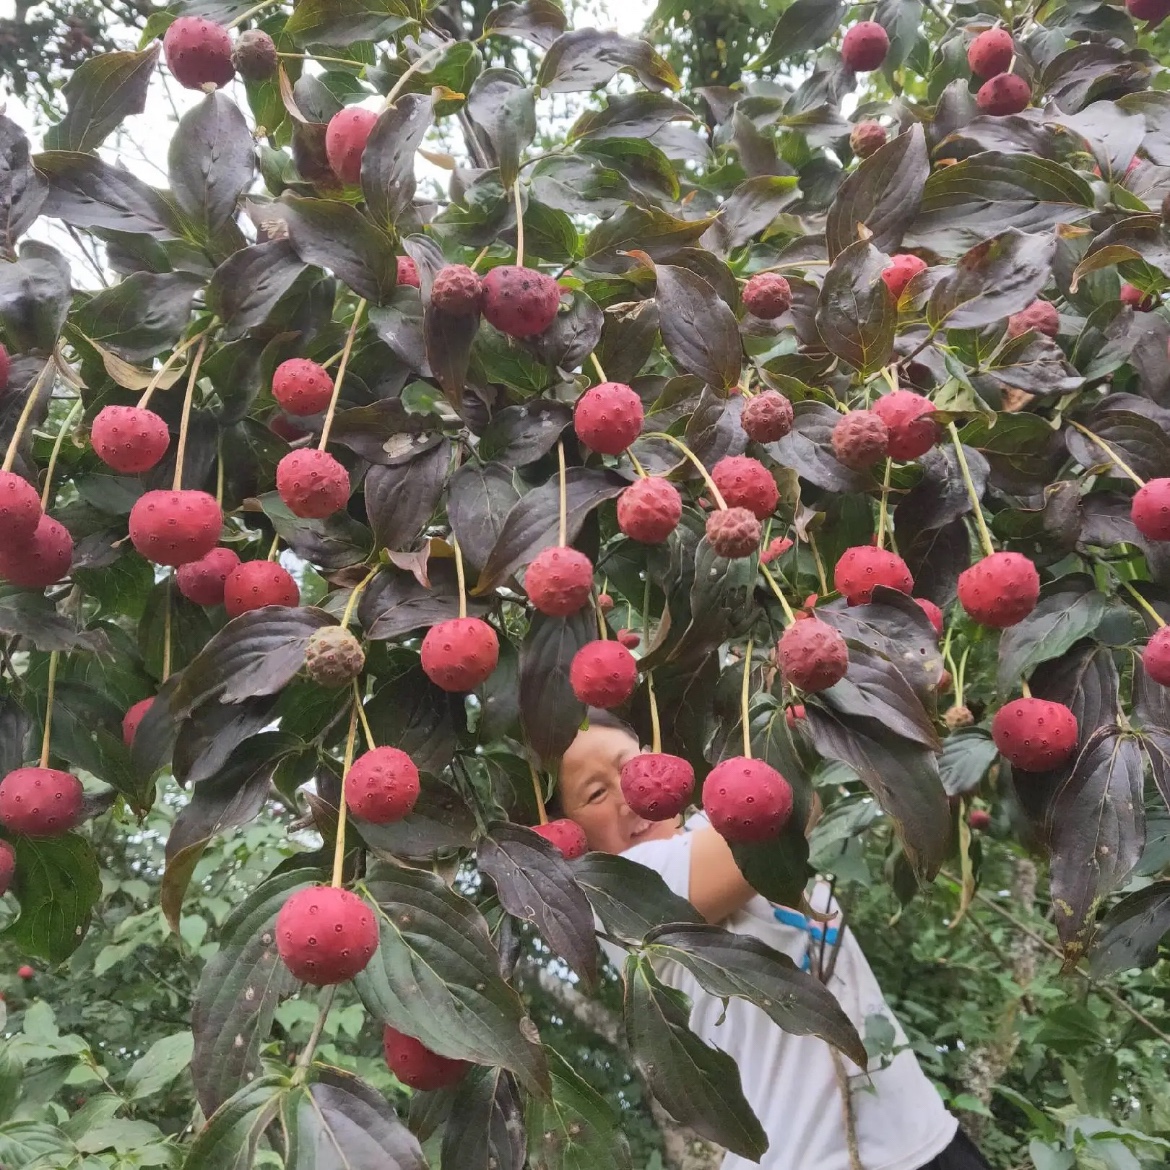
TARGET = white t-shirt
x,y
790,1081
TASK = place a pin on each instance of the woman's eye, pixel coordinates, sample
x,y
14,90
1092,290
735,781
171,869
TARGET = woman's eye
x,y
595,795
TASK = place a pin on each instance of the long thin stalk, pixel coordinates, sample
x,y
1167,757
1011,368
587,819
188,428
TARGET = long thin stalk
x,y
45,739
519,223
790,617
655,727
339,846
25,415
328,424
716,495
973,495
459,576
1143,602
563,523
541,811
181,450
1113,456
47,492
744,697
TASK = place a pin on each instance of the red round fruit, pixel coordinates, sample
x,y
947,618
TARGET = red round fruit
x,y
630,639
745,482
559,581
1007,93
25,972
608,417
382,786
604,602
1000,590
566,835
900,271
408,272
302,387
1148,9
767,295
7,866
979,819
862,568
865,46
734,532
1040,316
255,584
198,52
1150,509
603,674
40,802
777,547
255,56
860,440
457,290
129,439
459,654
20,509
649,510
326,935
991,53
933,614
520,302
813,655
767,417
867,138
1035,734
41,561
794,714
202,581
746,800
1136,299
5,367
417,1066
345,140
175,527
657,786
1156,656
907,417
133,718
312,483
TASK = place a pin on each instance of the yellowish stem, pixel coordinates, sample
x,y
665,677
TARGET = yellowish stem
x,y
339,847
181,450
219,468
166,662
743,700
637,463
479,259
541,811
788,614
361,710
655,728
716,495
250,13
328,426
351,604
421,63
883,510
274,547
45,739
563,530
1113,456
519,223
597,366
177,353
25,415
47,494
1144,604
816,554
973,495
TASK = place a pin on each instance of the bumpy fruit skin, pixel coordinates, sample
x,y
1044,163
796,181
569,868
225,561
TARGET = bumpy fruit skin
x,y
566,835
862,568
457,290
326,935
20,509
175,527
865,46
745,482
907,417
734,532
459,654
1148,9
302,387
794,714
900,271
649,510
979,819
957,717
608,417
1000,590
1035,734
202,581
1156,656
25,972
604,602
129,439
333,657
1007,93
559,581
767,417
520,302
417,1066
1150,509
657,786
603,674
812,655
254,584
991,53
198,52
777,547
133,718
860,440
933,613
40,802
767,295
1136,299
312,483
255,55
41,561
630,639
7,866
746,800
408,272
867,138
345,141
1040,316
382,786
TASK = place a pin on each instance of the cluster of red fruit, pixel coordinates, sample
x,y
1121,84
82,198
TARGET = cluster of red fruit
x,y
200,53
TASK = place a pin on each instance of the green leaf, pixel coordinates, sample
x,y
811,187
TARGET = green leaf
x,y
22,186
479,501
697,1085
440,822
804,25
876,689
902,20
808,449
630,899
538,21
88,193
211,161
228,1141
396,602
966,756
159,1065
342,22
588,59
247,287
649,230
549,710
1141,441
698,328
519,435
141,315
388,159
503,111
102,91
34,297
1130,934
856,313
401,499
486,1128
630,115
751,208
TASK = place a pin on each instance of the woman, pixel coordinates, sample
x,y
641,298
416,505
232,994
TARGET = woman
x,y
793,1083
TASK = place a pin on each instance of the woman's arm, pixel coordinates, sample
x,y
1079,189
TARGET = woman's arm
x,y
717,888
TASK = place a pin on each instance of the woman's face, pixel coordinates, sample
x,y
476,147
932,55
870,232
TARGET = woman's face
x,y
591,792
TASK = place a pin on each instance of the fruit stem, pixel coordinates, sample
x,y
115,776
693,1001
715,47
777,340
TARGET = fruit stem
x,y
597,366
175,354
655,728
340,375
884,508
250,13
273,548
46,495
743,700
1143,602
602,628
25,415
1113,456
716,494
49,709
322,57
972,494
563,530
339,846
482,253
309,1051
637,463
460,577
186,420
519,223
219,468
351,604
1025,690
541,811
424,60
816,553
166,662
360,707
788,614
961,677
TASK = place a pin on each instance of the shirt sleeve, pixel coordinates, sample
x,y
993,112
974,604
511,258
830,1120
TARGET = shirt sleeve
x,y
670,859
